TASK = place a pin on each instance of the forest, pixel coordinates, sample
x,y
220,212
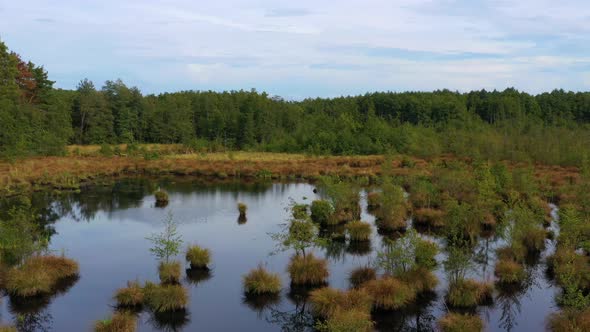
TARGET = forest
x,y
38,119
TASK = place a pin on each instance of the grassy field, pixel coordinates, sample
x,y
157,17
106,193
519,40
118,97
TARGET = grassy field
x,y
86,164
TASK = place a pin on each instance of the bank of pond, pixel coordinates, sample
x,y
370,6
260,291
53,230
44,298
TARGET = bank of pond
x,y
173,254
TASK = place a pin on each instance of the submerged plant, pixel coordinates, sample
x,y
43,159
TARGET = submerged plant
x,y
259,282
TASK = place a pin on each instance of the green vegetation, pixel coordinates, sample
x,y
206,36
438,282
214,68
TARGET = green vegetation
x,y
308,270
467,293
321,210
119,322
39,275
455,322
198,257
164,298
390,293
260,282
166,243
358,231
326,301
161,198
130,296
347,321
169,272
242,208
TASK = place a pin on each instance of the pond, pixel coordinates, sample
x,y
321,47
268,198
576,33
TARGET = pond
x,y
104,228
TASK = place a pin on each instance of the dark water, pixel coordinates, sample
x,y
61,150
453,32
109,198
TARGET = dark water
x,y
104,229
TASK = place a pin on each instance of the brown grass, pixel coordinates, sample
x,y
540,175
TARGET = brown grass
x,y
509,271
361,275
39,275
454,322
308,270
390,293
429,217
119,322
259,281
130,296
325,302
169,272
468,293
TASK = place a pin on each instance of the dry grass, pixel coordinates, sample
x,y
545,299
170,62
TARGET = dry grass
x,y
308,270
39,275
509,271
325,302
421,279
165,298
259,281
390,293
454,322
359,276
119,322
198,257
468,293
130,296
169,272
429,217
348,321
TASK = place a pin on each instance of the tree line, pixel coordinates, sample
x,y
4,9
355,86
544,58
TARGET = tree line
x,y
38,119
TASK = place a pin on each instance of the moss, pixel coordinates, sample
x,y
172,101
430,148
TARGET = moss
x,y
359,276
198,257
321,211
308,270
130,296
119,322
164,298
454,322
259,281
390,293
359,231
509,271
468,293
325,302
169,272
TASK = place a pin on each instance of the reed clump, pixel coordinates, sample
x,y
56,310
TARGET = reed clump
x,y
325,302
170,272
39,275
509,271
198,257
260,282
165,298
359,231
361,275
308,270
390,293
467,293
130,296
455,322
119,322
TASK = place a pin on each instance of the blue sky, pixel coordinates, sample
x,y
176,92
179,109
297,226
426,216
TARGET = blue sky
x,y
305,48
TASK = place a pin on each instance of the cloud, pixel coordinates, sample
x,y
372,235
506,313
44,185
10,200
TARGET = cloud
x,y
309,48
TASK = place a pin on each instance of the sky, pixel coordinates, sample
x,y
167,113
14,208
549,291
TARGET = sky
x,y
304,48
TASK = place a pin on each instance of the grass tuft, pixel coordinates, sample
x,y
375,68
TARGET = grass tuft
x,y
359,231
130,296
119,322
390,293
420,278
39,275
308,270
242,208
468,293
325,302
198,257
165,298
170,272
259,282
570,321
454,322
361,275
347,321
509,271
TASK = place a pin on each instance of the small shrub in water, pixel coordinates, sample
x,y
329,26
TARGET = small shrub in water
x,y
161,197
119,322
361,275
468,293
325,302
509,271
198,257
390,293
347,321
308,270
130,296
454,322
321,211
169,272
426,253
359,231
259,282
164,298
242,208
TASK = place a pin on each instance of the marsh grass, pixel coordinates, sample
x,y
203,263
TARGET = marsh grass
x,y
164,298
509,271
390,293
242,208
325,302
169,272
534,240
429,217
373,200
570,320
420,278
361,275
119,322
39,275
130,296
308,270
359,231
321,212
259,282
517,253
347,321
468,293
162,198
198,257
455,322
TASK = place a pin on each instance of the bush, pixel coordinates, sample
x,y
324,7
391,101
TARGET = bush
x,y
198,257
299,211
259,281
325,302
347,321
39,275
359,231
165,298
321,211
570,321
420,278
468,293
359,276
509,271
169,272
453,322
390,293
426,252
242,208
308,270
130,296
119,322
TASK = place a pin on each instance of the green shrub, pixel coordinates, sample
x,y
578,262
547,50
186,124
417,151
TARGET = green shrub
x,y
453,322
390,293
359,231
169,272
361,275
130,296
164,298
259,281
321,211
198,257
308,270
119,322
